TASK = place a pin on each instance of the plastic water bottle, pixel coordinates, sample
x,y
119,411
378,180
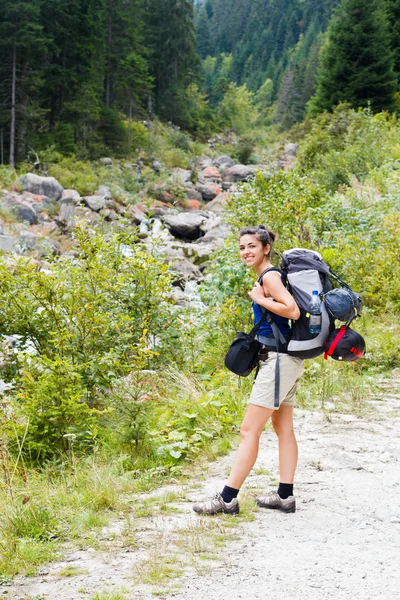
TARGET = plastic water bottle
x,y
314,325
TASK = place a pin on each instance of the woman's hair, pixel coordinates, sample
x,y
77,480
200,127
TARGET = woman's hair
x,y
266,236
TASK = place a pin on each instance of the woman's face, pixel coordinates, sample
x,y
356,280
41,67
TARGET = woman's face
x,y
252,252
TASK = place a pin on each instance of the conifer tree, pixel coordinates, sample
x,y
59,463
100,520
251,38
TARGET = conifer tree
x,y
357,61
393,12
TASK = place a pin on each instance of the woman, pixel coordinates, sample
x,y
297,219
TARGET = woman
x,y
255,250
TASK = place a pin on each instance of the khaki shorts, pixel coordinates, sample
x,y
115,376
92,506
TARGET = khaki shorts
x,y
291,369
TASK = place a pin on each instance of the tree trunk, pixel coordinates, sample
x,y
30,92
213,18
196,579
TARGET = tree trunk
x,y
109,43
130,123
13,94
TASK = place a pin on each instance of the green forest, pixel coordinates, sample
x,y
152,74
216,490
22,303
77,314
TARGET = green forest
x,y
77,75
113,329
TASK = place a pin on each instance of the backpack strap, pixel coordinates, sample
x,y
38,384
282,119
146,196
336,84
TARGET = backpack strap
x,y
335,342
278,337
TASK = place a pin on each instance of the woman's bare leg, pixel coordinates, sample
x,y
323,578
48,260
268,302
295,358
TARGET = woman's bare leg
x,y
253,423
282,421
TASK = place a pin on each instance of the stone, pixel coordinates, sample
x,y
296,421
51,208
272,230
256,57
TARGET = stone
x,y
238,173
44,186
222,232
95,203
184,268
104,191
25,212
224,162
156,166
109,214
71,194
7,243
193,194
219,203
137,213
208,192
181,175
106,161
210,173
67,210
187,204
186,225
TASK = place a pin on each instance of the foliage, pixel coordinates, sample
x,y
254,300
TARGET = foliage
x,y
348,144
81,326
357,61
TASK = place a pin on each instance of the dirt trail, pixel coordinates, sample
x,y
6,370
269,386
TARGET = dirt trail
x,y
343,541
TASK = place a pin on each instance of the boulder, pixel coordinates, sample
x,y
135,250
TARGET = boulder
x,y
238,173
181,175
104,191
224,162
43,186
95,203
210,174
137,213
184,269
106,161
209,191
7,243
67,210
45,246
187,204
222,232
109,214
186,225
73,194
218,204
199,252
193,194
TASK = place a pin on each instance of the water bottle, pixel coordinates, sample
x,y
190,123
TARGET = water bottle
x,y
314,325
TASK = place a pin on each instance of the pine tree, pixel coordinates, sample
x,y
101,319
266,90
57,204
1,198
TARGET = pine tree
x,y
22,47
393,12
173,62
357,62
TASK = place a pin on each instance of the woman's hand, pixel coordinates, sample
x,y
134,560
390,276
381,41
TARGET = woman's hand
x,y
257,293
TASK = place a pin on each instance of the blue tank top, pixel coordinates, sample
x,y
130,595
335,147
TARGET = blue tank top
x,y
266,329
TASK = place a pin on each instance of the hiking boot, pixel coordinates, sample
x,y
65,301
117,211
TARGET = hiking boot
x,y
216,505
275,502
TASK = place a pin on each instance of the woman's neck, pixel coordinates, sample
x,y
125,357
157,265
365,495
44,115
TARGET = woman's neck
x,y
266,264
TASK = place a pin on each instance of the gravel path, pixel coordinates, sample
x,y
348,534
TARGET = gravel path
x,y
343,541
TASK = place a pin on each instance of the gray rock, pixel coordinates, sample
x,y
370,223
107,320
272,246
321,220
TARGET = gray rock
x,y
208,192
217,233
44,245
73,194
43,186
95,203
104,191
181,175
238,173
193,194
156,165
106,161
7,243
1,228
185,269
218,204
67,210
25,212
224,162
186,225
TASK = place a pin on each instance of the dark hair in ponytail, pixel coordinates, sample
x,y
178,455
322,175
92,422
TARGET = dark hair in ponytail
x,y
262,233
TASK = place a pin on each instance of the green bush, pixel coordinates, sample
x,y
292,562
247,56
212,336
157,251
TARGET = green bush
x,y
87,323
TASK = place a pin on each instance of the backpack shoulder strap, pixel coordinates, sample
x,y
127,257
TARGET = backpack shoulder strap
x,y
268,271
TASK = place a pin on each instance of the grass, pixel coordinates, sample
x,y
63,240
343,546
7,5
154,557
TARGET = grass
x,y
71,571
161,568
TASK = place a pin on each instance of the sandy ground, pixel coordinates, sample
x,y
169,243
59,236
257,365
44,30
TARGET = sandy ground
x,y
343,541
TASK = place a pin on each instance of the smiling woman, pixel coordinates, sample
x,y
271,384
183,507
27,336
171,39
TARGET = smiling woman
x,y
255,247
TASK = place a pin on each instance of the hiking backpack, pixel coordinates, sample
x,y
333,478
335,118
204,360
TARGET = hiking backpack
x,y
302,272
